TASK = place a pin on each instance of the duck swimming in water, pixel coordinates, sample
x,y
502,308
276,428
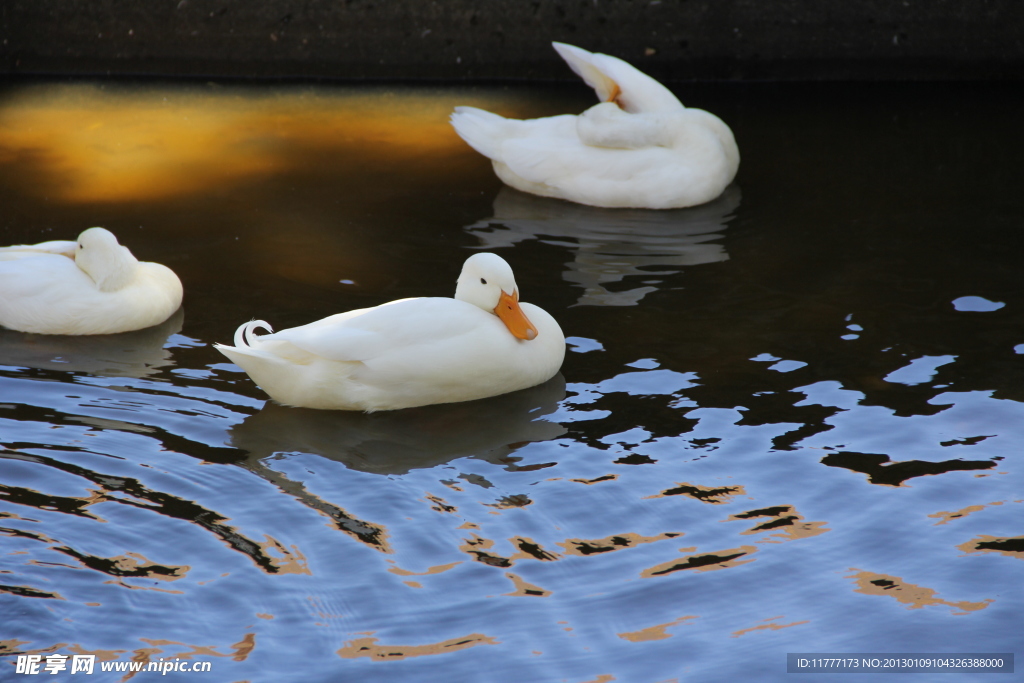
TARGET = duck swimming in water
x,y
90,286
409,352
639,148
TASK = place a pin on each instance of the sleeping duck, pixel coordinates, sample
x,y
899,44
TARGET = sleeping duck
x,y
91,286
409,352
639,148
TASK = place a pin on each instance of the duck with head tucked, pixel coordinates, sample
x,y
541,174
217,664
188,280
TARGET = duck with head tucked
x,y
90,286
639,148
409,352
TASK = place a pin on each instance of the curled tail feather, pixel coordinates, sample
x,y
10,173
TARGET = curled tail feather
x,y
245,335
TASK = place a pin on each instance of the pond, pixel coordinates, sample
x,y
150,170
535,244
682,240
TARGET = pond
x,y
789,421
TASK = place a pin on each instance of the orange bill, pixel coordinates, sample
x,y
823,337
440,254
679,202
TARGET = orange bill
x,y
513,317
615,94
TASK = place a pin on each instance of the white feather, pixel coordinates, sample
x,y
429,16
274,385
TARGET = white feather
x,y
92,286
405,353
639,148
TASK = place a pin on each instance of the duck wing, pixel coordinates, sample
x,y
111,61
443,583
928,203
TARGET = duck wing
x,y
62,247
369,333
558,161
27,274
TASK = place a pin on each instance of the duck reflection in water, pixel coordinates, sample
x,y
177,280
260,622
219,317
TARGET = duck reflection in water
x,y
128,354
394,442
611,244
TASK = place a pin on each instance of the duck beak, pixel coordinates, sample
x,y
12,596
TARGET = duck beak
x,y
512,315
614,94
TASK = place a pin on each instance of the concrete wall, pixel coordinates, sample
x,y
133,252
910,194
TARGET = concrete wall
x,y
500,39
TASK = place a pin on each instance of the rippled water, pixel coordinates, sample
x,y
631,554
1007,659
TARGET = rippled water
x,y
790,420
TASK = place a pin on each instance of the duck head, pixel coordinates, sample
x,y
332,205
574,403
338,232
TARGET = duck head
x,y
487,281
110,265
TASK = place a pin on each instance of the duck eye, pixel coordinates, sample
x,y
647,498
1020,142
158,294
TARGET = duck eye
x,y
483,281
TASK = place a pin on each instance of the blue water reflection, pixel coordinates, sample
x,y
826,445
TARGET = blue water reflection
x,y
803,447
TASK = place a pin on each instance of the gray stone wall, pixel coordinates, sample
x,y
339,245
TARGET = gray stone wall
x,y
510,39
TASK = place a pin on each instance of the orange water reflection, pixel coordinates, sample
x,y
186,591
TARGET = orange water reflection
x,y
913,596
368,647
715,495
786,523
1008,546
946,516
702,561
656,632
524,588
89,143
768,625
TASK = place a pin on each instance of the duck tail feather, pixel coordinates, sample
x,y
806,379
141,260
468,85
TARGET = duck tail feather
x,y
482,130
245,335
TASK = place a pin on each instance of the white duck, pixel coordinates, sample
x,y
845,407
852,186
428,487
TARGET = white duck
x,y
409,352
639,148
92,286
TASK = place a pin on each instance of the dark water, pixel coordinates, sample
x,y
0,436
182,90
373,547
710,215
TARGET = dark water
x,y
791,420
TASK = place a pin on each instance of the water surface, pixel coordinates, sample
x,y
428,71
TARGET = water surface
x,y
790,420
